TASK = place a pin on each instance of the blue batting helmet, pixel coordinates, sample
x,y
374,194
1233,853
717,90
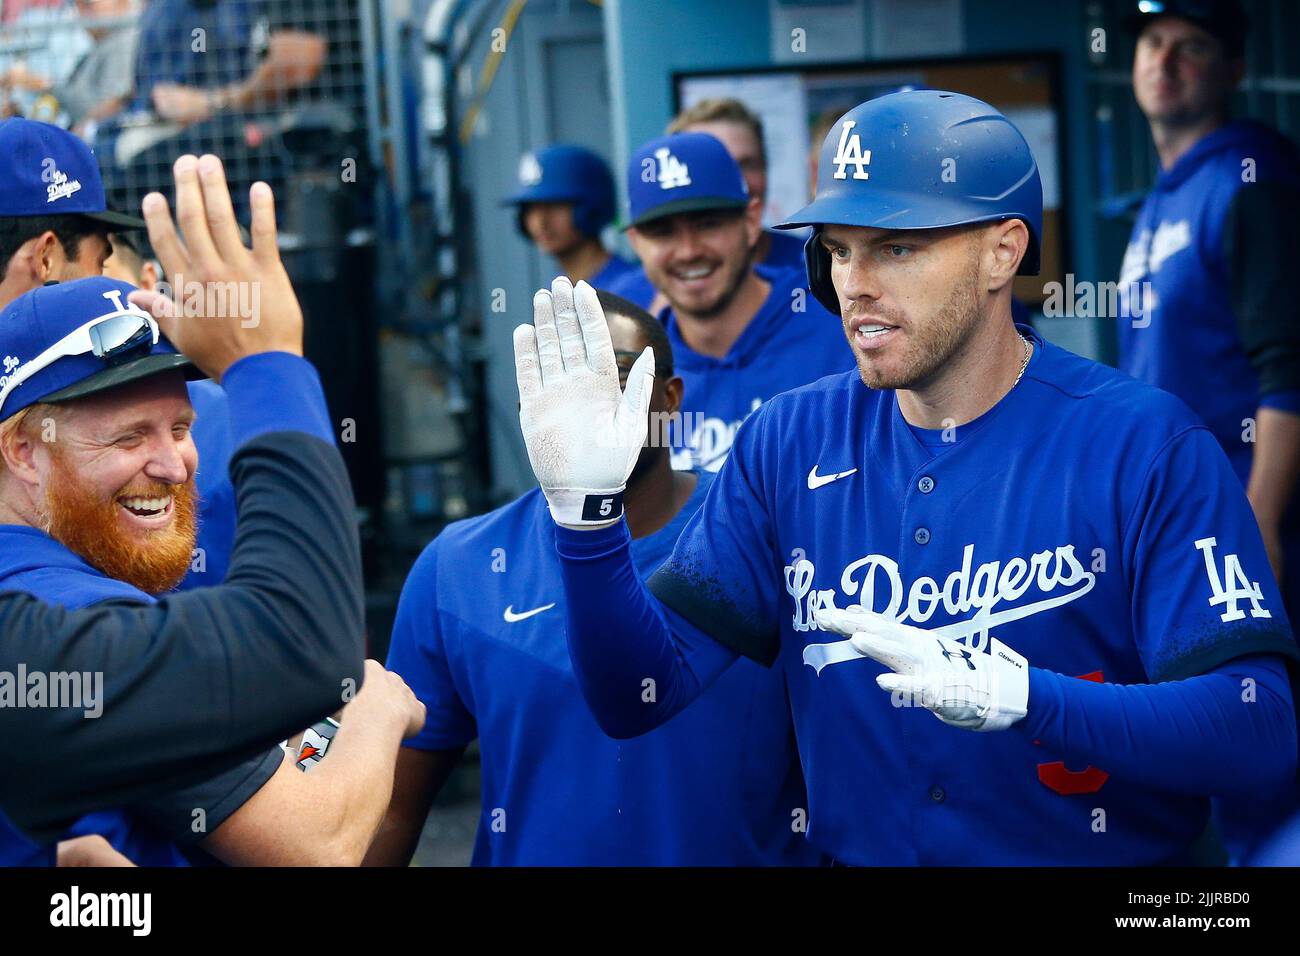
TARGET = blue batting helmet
x,y
923,159
567,174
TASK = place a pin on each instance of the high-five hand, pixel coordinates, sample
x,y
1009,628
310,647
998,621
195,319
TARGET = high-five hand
x,y
583,433
228,302
964,688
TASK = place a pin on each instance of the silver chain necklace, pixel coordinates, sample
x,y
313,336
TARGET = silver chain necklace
x,y
1029,350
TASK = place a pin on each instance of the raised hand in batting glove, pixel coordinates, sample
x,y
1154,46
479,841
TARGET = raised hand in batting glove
x,y
583,432
968,689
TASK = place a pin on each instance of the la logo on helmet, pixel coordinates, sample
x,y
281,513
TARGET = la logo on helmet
x,y
849,153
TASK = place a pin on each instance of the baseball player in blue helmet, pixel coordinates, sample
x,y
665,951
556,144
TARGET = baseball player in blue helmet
x,y
565,198
1022,607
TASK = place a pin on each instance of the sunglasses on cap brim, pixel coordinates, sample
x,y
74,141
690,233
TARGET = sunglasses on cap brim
x,y
114,339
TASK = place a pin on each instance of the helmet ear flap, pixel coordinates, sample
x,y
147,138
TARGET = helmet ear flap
x,y
818,263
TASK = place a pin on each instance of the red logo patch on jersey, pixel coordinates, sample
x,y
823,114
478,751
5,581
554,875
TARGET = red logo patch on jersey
x,y
1068,783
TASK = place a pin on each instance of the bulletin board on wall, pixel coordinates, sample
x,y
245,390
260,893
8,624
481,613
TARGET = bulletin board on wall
x,y
798,107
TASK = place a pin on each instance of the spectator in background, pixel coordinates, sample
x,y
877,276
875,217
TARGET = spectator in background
x,y
11,11
100,83
741,132
45,36
1208,309
241,60
565,198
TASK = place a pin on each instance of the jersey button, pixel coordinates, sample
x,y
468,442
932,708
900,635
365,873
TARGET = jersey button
x,y
925,485
922,536
937,794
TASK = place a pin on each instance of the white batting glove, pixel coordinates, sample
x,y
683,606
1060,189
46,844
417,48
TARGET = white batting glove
x,y
583,432
964,688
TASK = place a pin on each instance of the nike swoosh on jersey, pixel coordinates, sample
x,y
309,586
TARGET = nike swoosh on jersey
x,y
511,617
815,480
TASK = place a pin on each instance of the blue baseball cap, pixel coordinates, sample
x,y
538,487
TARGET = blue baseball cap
x,y
39,319
567,174
682,172
46,171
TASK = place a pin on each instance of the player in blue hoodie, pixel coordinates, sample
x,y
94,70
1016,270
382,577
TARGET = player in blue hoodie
x,y
1209,314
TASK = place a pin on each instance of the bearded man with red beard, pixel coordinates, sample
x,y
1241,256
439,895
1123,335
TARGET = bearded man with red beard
x,y
98,503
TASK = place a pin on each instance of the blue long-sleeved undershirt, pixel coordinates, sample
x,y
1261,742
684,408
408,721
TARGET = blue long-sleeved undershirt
x,y
639,667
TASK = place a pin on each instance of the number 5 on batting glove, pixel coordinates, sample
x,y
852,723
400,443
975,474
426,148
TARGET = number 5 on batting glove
x,y
964,688
583,432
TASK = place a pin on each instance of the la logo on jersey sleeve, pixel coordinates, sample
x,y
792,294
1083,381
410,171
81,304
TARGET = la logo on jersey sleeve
x,y
1241,587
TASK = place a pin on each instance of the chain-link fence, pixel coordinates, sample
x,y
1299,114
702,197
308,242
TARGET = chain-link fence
x,y
274,88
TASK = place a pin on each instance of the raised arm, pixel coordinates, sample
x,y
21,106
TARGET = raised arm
x,y
583,435
256,659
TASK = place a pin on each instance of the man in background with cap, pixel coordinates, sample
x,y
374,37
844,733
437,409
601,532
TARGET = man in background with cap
x,y
1215,242
740,333
97,503
54,219
735,126
565,198
1207,276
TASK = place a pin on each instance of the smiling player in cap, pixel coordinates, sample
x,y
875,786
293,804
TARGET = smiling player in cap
x,y
740,333
976,526
54,219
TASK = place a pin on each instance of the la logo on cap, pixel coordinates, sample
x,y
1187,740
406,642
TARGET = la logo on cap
x,y
60,187
672,171
530,170
129,308
849,153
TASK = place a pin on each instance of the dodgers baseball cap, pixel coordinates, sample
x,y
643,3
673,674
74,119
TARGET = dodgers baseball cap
x,y
46,171
682,172
36,321
1224,19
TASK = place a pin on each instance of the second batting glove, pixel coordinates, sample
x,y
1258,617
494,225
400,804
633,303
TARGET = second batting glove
x,y
968,689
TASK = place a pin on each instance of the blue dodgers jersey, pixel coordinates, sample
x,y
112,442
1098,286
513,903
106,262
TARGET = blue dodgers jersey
x,y
1179,332
212,438
792,341
33,562
479,637
1087,520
